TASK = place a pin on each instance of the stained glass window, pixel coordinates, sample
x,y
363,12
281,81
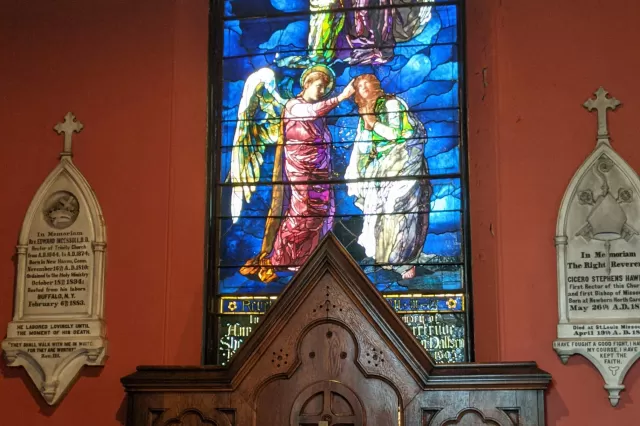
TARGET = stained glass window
x,y
342,116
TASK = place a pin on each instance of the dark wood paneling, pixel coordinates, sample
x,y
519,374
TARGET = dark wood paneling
x,y
331,349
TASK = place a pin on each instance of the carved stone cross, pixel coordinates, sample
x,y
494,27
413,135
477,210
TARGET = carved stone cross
x,y
69,126
602,103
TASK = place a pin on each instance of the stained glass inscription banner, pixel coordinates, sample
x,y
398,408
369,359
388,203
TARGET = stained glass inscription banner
x,y
342,116
438,322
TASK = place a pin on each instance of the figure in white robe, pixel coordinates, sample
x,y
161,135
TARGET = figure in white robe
x,y
389,145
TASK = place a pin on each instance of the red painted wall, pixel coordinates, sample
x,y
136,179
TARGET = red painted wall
x,y
528,133
135,73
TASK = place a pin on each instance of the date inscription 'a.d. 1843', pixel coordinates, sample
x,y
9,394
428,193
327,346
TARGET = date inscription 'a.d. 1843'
x,y
58,323
598,260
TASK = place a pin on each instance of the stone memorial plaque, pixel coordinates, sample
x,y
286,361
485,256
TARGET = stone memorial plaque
x,y
598,259
58,322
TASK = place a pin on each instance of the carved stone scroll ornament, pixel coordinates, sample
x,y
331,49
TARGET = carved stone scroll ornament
x,y
598,260
57,325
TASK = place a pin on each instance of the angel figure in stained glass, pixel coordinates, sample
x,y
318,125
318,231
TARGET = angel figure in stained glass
x,y
359,31
302,203
389,145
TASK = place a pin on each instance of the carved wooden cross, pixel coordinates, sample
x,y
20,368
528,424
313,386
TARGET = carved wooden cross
x,y
602,103
69,126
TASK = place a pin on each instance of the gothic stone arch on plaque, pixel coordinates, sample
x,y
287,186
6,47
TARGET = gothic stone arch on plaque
x,y
58,325
598,260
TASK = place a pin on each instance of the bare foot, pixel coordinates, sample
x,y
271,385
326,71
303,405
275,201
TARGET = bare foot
x,y
409,273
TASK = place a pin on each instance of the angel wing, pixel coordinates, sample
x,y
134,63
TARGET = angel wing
x,y
258,125
408,22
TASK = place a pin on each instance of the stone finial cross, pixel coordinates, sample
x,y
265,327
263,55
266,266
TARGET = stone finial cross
x,y
602,103
69,126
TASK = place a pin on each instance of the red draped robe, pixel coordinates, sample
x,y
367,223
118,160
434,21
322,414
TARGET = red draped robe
x,y
302,209
309,200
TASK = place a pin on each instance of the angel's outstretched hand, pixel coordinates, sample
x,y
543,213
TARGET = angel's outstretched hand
x,y
347,92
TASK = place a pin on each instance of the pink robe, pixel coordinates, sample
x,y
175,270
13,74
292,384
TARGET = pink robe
x,y
309,206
